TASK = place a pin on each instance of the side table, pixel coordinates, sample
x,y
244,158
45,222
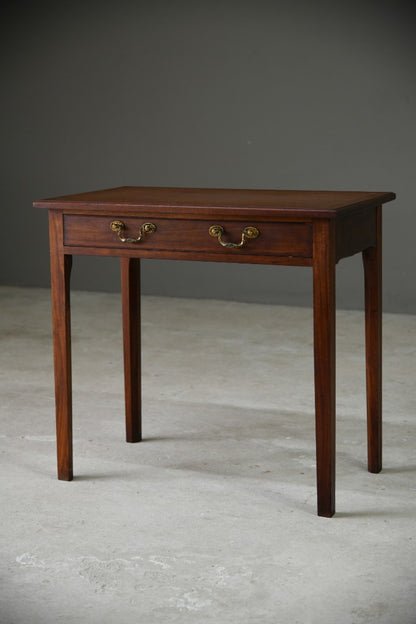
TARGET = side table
x,y
277,227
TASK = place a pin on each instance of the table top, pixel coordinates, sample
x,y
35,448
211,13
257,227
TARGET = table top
x,y
196,201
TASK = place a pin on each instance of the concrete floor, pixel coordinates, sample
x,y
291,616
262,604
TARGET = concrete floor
x,y
213,517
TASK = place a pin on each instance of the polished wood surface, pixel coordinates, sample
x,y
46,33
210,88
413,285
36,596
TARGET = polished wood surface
x,y
200,202
373,340
130,294
324,255
61,264
190,237
300,228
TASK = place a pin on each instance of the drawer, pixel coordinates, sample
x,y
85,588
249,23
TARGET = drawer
x,y
189,236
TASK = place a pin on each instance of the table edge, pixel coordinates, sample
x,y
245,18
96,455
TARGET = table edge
x,y
68,204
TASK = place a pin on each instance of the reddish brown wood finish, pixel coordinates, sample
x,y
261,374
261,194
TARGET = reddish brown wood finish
x,y
199,256
196,202
130,291
373,339
355,231
61,322
305,228
190,236
324,349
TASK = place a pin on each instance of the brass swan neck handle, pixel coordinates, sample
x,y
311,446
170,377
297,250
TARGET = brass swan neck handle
x,y
119,227
249,232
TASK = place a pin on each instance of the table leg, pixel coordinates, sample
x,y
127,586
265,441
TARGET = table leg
x,y
61,324
373,324
130,293
324,348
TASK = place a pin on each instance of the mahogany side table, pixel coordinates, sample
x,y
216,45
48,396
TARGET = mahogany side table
x,y
277,227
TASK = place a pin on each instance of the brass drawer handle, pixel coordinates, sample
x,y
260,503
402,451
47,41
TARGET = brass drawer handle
x,y
119,226
249,232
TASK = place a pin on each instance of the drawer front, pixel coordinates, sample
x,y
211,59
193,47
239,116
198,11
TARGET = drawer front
x,y
189,236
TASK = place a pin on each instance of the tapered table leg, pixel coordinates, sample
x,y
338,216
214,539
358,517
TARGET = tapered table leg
x,y
373,339
130,294
324,351
61,323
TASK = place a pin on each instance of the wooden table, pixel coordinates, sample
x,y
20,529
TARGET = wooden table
x,y
293,228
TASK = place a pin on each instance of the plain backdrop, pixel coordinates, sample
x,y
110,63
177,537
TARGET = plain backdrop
x,y
262,94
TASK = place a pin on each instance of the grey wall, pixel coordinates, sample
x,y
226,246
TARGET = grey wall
x,y
313,95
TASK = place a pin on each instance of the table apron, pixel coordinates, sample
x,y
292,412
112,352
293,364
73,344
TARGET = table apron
x,y
281,242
